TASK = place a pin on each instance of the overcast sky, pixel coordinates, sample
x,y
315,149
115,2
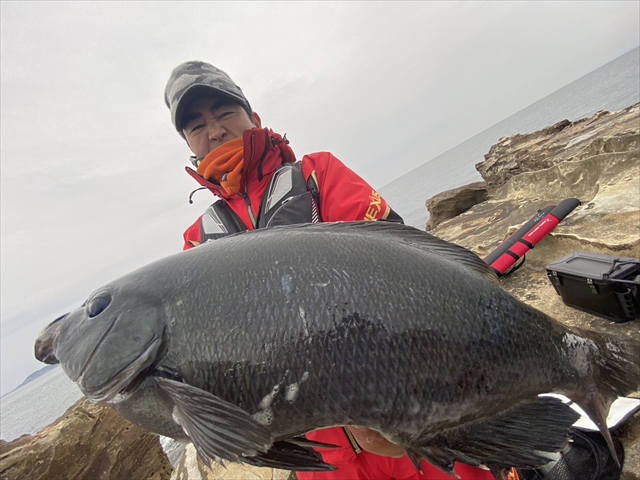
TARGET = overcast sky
x,y
93,181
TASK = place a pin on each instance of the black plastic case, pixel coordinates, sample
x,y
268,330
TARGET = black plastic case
x,y
603,285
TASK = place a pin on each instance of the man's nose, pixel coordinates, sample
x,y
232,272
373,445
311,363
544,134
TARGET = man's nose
x,y
215,130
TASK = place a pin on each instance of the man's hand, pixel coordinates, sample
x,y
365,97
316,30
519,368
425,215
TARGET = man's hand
x,y
375,443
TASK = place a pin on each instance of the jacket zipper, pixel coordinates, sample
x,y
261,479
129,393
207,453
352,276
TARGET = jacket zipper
x,y
245,195
352,441
266,146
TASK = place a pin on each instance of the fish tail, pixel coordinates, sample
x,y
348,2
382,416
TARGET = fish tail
x,y
616,373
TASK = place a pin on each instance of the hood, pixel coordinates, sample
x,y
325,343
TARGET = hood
x,y
264,152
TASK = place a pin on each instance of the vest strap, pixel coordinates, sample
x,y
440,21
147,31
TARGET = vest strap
x,y
218,221
288,200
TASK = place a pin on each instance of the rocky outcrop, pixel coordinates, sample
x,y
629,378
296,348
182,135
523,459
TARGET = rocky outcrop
x,y
565,141
596,160
89,442
191,467
452,203
94,442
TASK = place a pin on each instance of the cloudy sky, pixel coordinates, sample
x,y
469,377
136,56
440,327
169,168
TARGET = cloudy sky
x,y
93,181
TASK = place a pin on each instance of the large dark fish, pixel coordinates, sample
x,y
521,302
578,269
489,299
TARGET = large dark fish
x,y
248,342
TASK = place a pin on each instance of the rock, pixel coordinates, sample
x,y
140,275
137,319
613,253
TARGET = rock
x,y
565,141
604,174
596,160
191,467
452,203
89,442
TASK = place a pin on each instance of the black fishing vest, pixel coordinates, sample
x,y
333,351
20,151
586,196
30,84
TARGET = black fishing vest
x,y
287,200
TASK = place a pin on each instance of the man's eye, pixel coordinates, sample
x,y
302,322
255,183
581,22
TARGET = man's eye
x,y
196,128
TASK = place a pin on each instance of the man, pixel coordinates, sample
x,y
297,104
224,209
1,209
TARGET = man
x,y
253,171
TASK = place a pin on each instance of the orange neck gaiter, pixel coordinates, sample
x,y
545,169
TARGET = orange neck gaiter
x,y
224,165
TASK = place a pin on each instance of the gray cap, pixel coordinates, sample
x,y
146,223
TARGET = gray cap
x,y
193,79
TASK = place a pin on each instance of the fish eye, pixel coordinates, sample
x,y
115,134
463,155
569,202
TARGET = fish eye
x,y
98,304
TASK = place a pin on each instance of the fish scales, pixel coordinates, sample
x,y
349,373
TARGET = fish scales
x,y
305,327
273,339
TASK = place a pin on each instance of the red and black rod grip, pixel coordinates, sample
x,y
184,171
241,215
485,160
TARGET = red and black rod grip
x,y
527,236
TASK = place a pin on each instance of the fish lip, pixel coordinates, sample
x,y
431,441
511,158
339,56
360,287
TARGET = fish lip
x,y
49,359
47,340
43,351
125,377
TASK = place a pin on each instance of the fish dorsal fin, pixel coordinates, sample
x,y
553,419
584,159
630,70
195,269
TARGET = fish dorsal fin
x,y
396,232
218,429
455,253
426,242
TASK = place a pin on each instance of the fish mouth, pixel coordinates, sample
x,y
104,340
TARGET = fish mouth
x,y
46,342
126,381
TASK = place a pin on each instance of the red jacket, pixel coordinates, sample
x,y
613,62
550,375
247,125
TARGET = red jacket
x,y
367,466
344,196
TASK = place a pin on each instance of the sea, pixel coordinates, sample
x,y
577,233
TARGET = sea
x,y
611,87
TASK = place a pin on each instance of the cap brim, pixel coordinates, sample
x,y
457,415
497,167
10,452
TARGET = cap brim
x,y
197,91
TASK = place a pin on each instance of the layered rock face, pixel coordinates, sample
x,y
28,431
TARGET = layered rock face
x,y
596,160
89,442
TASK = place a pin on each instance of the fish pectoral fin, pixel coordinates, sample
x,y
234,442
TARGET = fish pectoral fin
x,y
526,436
218,429
287,455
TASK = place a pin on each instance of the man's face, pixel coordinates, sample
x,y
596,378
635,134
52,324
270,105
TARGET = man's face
x,y
209,122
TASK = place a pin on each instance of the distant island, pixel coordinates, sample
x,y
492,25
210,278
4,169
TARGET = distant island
x,y
33,376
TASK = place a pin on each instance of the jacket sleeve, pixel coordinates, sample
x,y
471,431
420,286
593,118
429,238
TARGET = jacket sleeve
x,y
344,195
192,235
